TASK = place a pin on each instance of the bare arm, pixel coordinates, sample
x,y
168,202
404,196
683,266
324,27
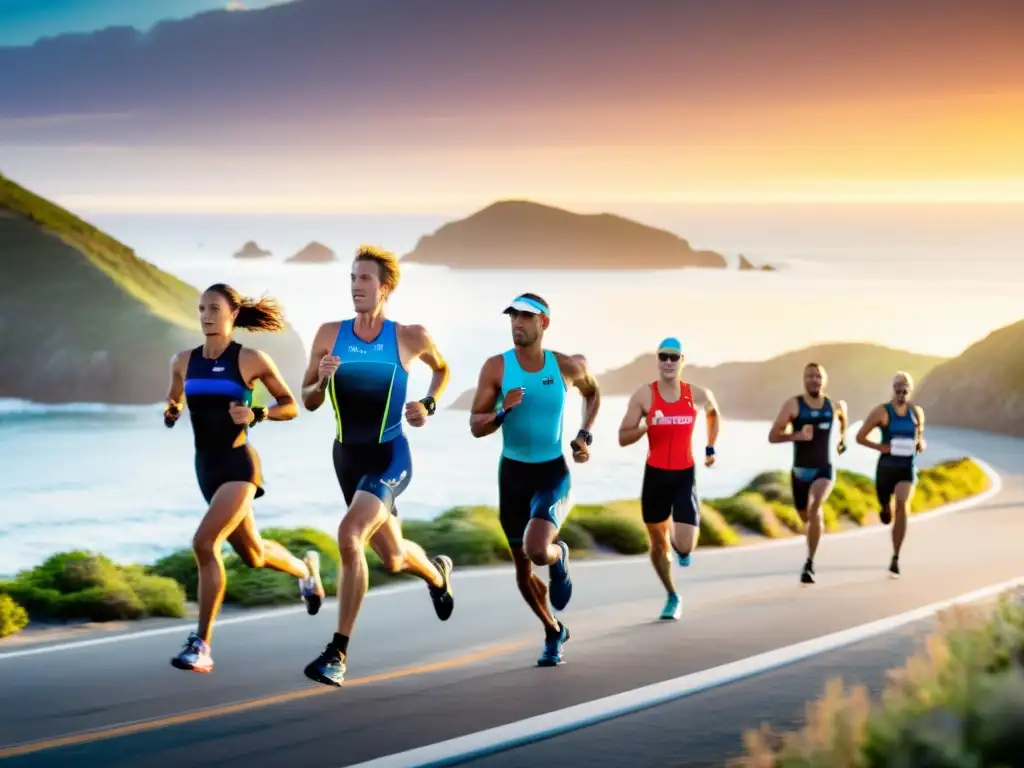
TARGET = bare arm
x,y
920,428
176,390
874,419
314,387
574,369
843,417
427,351
265,370
713,416
787,413
633,425
488,390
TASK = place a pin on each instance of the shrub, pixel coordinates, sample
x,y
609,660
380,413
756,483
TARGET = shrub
x,y
957,702
714,530
468,535
749,510
13,617
617,526
73,585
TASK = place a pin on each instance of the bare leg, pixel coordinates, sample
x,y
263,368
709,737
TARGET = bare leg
x,y
257,552
533,589
364,517
400,555
539,542
661,557
229,506
684,537
814,517
904,494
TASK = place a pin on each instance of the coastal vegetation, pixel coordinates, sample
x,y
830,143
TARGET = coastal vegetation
x,y
84,585
958,701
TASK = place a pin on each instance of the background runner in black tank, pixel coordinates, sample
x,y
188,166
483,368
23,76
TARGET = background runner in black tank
x,y
361,364
902,426
216,381
806,421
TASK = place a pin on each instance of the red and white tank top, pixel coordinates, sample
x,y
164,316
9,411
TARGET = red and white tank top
x,y
670,429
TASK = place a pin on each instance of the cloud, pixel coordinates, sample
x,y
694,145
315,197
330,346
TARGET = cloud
x,y
234,5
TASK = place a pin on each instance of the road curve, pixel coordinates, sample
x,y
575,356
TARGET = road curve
x,y
415,681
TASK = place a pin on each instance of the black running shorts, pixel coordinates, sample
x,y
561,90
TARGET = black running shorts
x,y
217,467
670,492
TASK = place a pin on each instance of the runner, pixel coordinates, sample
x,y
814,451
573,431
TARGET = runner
x,y
216,381
534,486
902,427
811,416
666,411
362,365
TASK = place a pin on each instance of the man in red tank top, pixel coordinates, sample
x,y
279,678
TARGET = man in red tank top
x,y
666,411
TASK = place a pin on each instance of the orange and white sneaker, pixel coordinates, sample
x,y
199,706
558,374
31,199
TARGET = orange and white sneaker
x,y
311,588
195,656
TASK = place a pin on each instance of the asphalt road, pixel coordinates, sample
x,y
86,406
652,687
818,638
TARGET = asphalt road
x,y
414,681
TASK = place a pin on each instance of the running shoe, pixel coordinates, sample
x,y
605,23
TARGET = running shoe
x,y
894,567
673,608
560,585
195,656
444,599
807,575
311,588
684,560
328,668
885,515
552,655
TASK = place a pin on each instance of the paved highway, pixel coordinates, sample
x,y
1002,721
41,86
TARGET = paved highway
x,y
414,681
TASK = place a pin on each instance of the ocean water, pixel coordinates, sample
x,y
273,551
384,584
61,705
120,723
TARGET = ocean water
x,y
114,479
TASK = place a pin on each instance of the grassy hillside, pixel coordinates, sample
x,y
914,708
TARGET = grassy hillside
x,y
518,234
82,318
983,388
861,374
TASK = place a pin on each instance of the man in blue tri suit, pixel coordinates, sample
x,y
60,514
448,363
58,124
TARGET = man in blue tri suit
x,y
811,416
902,426
362,365
522,392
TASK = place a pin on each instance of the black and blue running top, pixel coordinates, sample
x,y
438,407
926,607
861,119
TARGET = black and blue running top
x,y
211,385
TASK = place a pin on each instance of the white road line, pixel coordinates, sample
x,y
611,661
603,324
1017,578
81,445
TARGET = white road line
x,y
502,570
505,737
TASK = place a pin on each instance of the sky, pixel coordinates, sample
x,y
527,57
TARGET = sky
x,y
22,22
322,106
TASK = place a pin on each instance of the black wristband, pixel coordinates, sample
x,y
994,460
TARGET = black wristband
x,y
259,413
709,451
585,436
430,404
499,416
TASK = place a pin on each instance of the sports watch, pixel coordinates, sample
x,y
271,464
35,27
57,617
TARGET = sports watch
x,y
430,404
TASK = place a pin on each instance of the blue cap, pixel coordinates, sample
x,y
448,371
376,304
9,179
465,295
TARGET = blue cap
x,y
671,344
526,304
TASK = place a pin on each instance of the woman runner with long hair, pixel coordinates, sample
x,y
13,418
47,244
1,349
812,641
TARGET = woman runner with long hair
x,y
216,381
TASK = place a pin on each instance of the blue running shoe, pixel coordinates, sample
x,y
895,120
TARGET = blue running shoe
x,y
684,560
560,584
328,668
673,608
552,655
195,656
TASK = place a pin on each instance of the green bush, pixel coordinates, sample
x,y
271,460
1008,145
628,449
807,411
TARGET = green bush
x,y
750,510
13,617
958,702
617,526
714,530
85,585
468,535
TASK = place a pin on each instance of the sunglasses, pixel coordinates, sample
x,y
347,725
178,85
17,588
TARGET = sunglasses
x,y
666,357
900,390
